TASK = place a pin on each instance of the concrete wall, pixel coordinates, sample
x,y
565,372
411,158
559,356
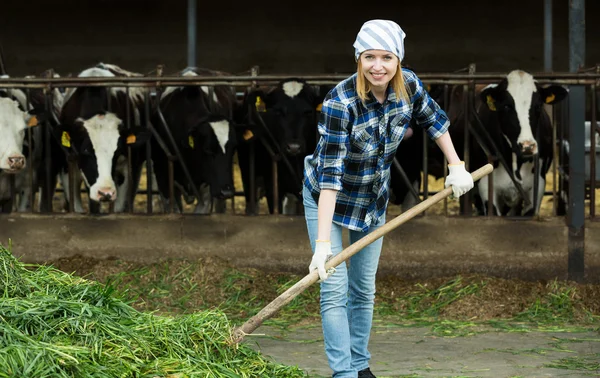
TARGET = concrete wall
x,y
306,37
423,247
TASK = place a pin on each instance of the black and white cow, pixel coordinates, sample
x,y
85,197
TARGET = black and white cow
x,y
410,157
289,112
514,116
94,127
200,120
16,121
511,113
55,168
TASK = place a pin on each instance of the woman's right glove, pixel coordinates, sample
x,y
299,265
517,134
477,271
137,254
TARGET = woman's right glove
x,y
320,257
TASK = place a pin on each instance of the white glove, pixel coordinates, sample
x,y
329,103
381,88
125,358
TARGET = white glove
x,y
321,255
459,178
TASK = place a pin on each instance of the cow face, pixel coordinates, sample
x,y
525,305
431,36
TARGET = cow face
x,y
518,104
290,113
100,144
13,124
211,143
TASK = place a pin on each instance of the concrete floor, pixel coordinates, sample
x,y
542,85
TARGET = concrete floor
x,y
414,352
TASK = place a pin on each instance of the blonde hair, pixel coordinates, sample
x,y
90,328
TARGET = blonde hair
x,y
363,86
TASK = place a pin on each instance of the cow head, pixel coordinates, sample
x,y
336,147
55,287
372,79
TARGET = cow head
x,y
290,112
100,143
14,122
517,102
211,142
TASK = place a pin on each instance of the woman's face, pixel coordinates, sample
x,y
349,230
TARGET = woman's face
x,y
379,67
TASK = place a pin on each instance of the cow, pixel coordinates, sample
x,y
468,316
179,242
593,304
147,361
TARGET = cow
x,y
286,131
409,157
200,121
511,124
513,114
16,117
94,126
55,165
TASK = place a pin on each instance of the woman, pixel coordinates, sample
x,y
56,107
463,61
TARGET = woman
x,y
346,183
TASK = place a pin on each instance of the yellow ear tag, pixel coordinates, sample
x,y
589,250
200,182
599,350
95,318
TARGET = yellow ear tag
x,y
65,139
319,107
131,139
191,141
490,103
33,121
550,98
260,105
248,135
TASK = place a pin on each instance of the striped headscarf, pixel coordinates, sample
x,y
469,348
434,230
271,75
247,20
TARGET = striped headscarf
x,y
380,35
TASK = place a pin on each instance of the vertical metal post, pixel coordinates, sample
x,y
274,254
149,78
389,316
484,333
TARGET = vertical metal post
x,y
191,33
548,54
130,189
425,160
48,99
468,93
253,205
275,187
149,166
445,164
548,35
576,214
592,155
30,155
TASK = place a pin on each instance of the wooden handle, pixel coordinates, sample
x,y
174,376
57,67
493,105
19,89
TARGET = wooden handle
x,y
269,310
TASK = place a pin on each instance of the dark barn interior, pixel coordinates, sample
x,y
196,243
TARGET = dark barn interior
x,y
442,36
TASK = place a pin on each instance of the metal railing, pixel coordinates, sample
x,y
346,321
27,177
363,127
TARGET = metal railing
x,y
467,79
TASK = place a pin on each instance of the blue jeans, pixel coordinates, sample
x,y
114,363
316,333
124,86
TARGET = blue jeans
x,y
347,297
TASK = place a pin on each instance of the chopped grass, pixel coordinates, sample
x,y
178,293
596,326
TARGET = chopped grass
x,y
60,325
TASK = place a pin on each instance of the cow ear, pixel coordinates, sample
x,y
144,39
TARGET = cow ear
x,y
243,133
189,142
259,104
553,94
34,117
136,136
65,139
488,95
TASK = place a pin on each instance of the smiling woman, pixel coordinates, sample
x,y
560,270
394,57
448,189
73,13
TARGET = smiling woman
x,y
347,178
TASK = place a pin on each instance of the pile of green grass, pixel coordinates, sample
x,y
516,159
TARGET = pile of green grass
x,y
54,324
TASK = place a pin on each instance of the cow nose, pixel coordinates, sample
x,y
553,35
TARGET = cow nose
x,y
16,162
293,148
528,148
106,194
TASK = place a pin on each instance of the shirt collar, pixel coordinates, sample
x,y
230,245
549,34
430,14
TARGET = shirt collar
x,y
390,97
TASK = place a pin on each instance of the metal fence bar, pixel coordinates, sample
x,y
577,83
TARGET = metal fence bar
x,y
584,78
587,78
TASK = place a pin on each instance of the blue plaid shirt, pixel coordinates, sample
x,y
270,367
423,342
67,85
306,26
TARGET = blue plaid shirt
x,y
358,143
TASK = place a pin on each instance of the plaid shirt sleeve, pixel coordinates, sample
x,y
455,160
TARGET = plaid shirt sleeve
x,y
333,128
426,112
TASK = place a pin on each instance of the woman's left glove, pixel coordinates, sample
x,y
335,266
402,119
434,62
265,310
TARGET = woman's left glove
x,y
459,178
320,257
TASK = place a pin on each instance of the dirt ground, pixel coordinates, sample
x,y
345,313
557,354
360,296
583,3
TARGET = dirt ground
x,y
184,286
470,326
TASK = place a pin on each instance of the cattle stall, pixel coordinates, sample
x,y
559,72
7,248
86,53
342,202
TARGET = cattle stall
x,y
484,244
445,87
